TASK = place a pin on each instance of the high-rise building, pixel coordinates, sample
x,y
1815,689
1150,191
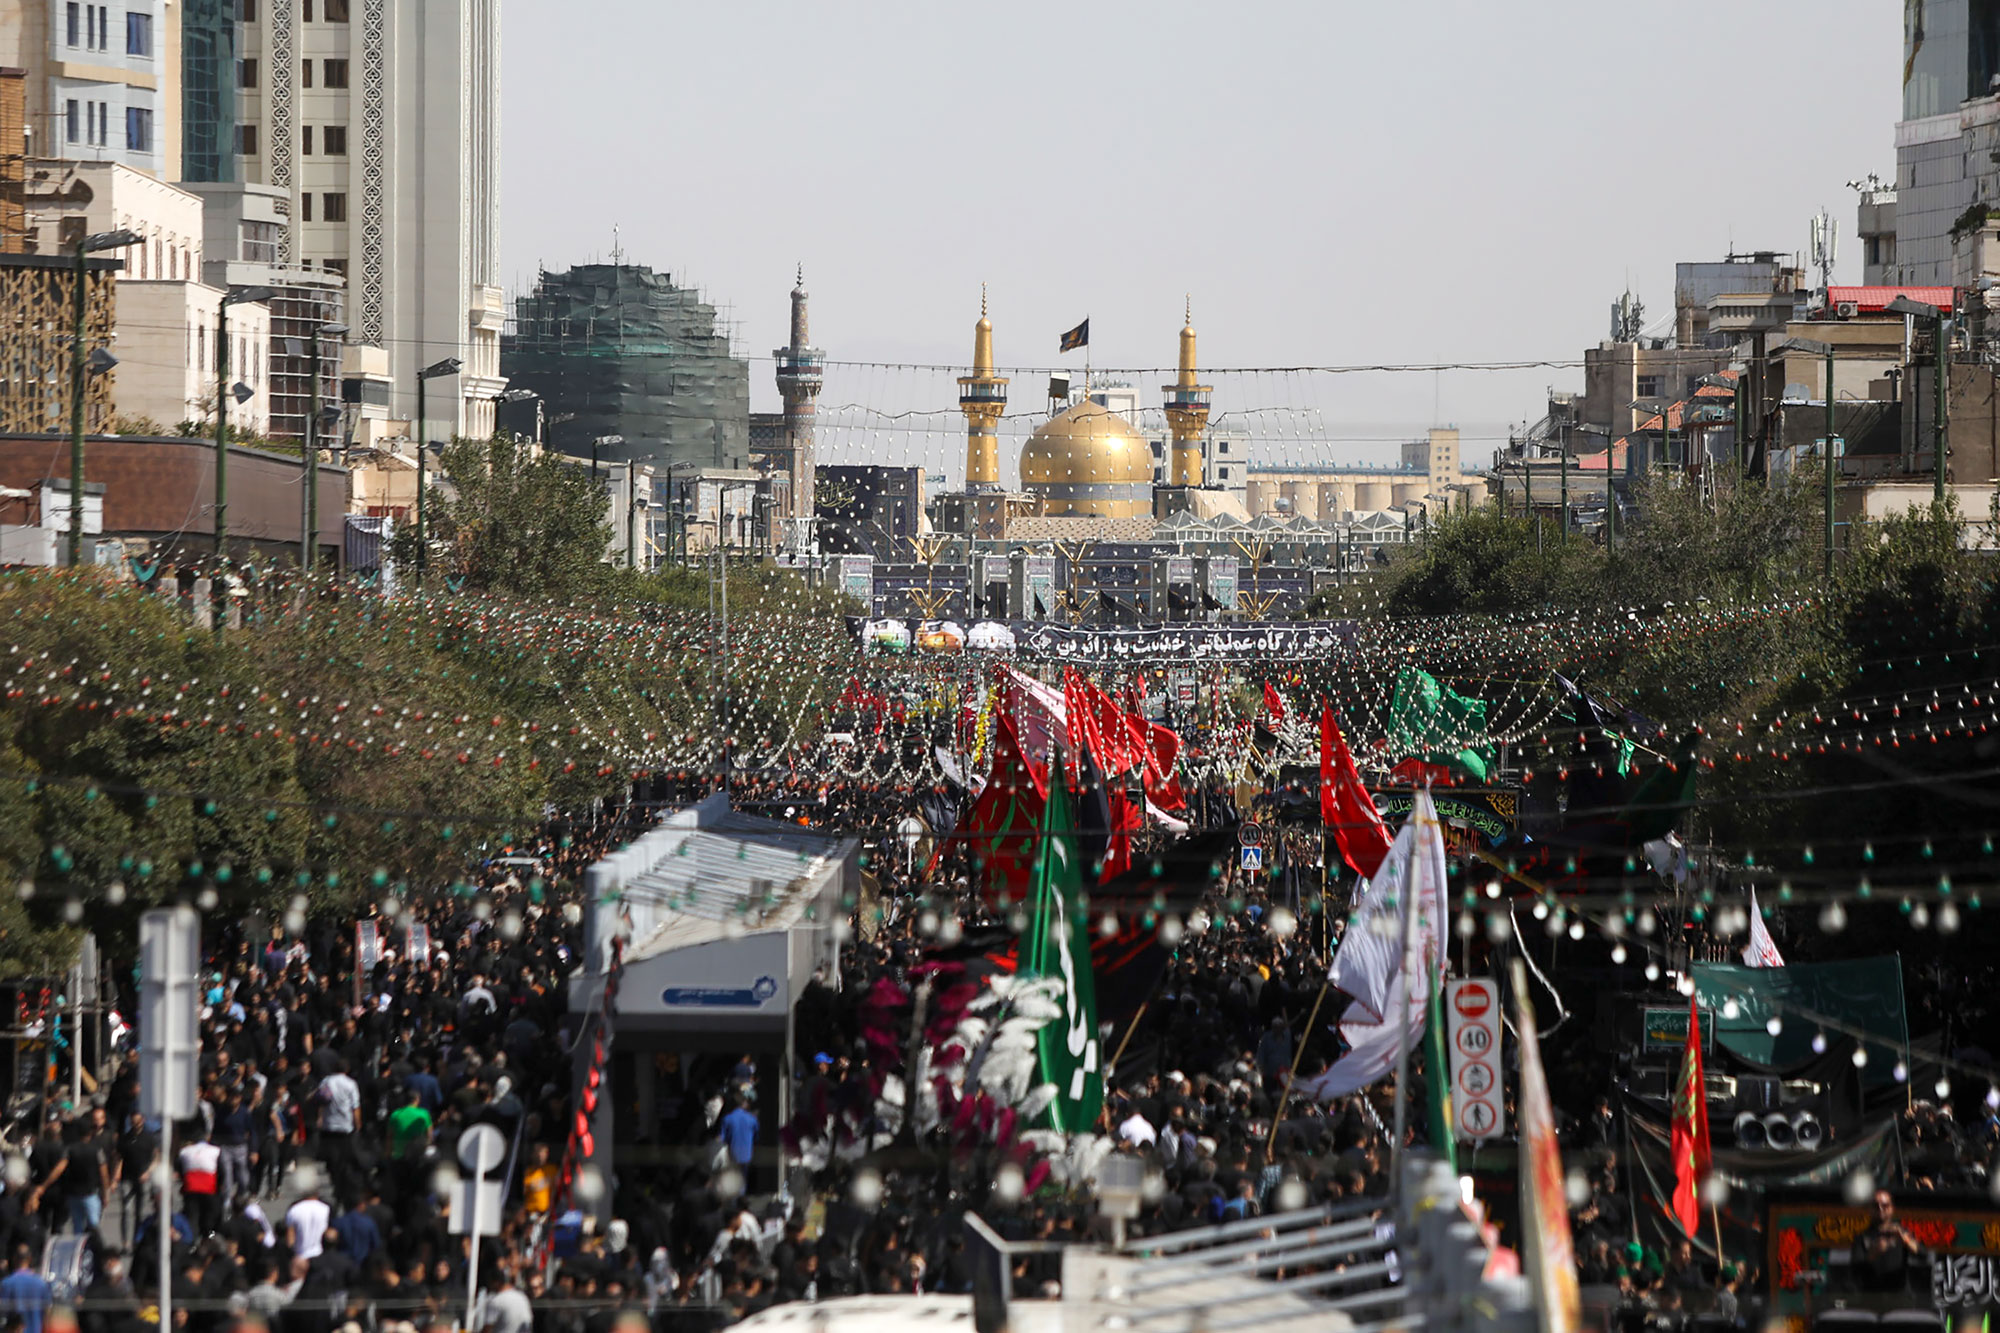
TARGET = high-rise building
x,y
380,121
208,90
103,79
630,365
1951,53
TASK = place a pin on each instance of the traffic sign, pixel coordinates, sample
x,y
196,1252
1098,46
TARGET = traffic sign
x,y
1250,833
1478,1119
1472,1027
1252,858
1472,1001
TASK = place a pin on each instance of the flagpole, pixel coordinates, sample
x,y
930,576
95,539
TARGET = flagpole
x,y
1278,1116
1403,1019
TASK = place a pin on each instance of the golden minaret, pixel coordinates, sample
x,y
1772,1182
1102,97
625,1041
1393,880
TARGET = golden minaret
x,y
982,396
1187,412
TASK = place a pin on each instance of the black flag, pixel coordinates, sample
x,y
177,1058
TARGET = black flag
x,y
1076,337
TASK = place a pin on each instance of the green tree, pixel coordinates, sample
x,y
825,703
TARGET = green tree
x,y
510,522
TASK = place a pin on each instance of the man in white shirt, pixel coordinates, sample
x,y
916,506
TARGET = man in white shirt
x,y
305,1225
1137,1131
508,1310
339,1117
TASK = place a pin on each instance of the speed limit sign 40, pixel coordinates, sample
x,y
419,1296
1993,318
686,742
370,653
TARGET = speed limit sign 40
x,y
1473,1034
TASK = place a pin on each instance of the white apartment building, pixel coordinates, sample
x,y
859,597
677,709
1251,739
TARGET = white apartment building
x,y
103,79
167,316
381,121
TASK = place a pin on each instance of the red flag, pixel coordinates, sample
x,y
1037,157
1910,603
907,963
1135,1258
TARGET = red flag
x,y
1082,718
1163,757
1116,756
1124,823
1274,703
1005,819
1690,1127
1344,804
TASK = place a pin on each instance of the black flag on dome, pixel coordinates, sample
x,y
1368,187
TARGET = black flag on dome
x,y
1076,337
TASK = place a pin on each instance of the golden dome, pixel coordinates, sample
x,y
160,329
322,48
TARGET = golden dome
x,y
1089,460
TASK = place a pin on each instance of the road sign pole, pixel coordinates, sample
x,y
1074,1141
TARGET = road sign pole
x,y
163,1221
480,1149
472,1268
170,946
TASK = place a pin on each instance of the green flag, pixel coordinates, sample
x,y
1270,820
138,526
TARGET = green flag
x,y
1433,723
1444,1142
1664,795
1057,946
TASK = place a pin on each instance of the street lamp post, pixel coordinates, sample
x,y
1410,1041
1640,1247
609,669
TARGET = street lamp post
x,y
451,365
234,296
309,556
79,377
634,503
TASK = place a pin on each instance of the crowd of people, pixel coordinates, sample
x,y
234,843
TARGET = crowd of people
x,y
316,1192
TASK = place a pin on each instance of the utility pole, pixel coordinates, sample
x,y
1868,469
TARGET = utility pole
x,y
449,366
309,556
1565,490
1829,461
1610,495
1943,411
1742,444
79,374
218,606
76,380
221,456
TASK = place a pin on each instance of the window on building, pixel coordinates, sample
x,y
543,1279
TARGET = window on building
x,y
305,11
334,141
336,11
1222,446
305,74
305,141
138,129
103,42
1648,386
246,10
73,121
246,140
335,266
246,73
138,34
336,74
333,206
1225,474
73,29
305,207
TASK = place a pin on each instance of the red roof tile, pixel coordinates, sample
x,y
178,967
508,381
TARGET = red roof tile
x,y
1873,300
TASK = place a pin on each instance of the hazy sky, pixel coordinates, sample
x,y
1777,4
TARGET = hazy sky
x,y
1334,183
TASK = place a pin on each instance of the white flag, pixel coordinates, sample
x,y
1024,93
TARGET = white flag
x,y
1762,951
1369,965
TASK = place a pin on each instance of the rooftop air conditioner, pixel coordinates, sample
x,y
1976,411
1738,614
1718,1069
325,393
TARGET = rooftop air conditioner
x,y
1846,309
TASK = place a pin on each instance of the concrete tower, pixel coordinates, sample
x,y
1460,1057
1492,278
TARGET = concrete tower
x,y
1187,413
982,396
801,372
